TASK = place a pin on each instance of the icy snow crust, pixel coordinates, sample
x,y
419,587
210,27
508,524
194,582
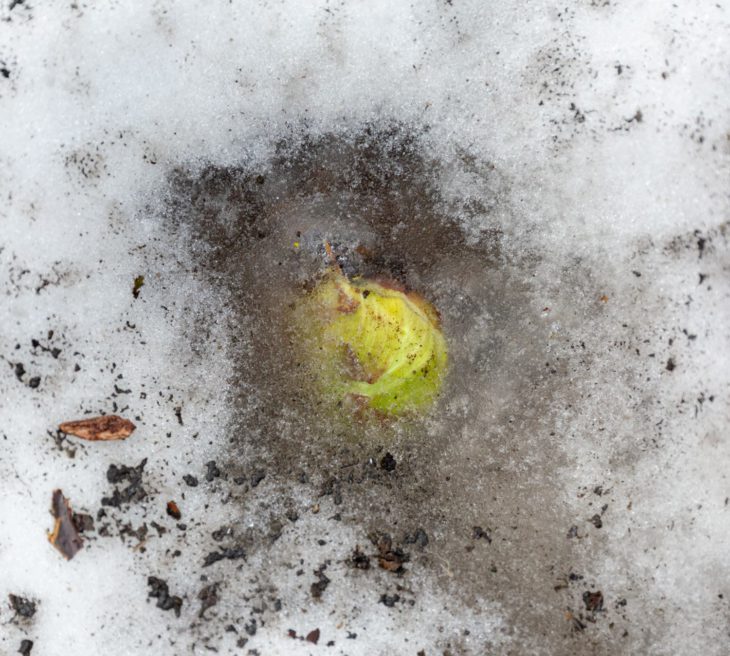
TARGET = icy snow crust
x,y
553,177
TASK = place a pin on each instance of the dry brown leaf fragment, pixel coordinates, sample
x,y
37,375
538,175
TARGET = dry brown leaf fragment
x,y
65,536
390,558
105,428
391,563
137,286
173,510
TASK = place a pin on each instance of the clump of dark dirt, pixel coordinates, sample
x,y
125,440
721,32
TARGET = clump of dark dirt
x,y
211,471
419,537
22,606
83,522
389,600
359,559
133,492
478,533
208,598
593,601
596,521
320,585
26,646
257,475
159,590
388,462
227,553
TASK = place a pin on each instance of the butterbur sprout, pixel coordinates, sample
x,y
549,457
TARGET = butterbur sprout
x,y
373,344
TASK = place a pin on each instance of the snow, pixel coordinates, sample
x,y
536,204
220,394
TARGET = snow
x,y
580,152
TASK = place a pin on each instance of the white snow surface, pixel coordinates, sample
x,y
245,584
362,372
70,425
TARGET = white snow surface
x,y
607,124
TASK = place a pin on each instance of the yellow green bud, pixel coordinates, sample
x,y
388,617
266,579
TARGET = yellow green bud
x,y
374,345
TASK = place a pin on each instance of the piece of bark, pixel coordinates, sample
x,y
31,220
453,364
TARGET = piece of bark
x,y
105,428
65,536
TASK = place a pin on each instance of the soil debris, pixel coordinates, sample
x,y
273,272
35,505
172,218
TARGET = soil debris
x,y
83,522
419,537
593,601
389,601
229,553
312,636
159,590
257,476
24,607
132,493
478,533
387,462
208,598
211,471
596,521
320,585
358,559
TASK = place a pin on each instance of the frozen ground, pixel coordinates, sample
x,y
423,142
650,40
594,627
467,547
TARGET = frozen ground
x,y
554,176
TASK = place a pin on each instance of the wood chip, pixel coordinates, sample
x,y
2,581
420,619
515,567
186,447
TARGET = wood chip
x,y
105,428
65,536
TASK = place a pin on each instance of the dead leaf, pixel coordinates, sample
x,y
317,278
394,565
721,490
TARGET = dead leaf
x,y
313,636
105,428
391,563
389,558
65,536
138,282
